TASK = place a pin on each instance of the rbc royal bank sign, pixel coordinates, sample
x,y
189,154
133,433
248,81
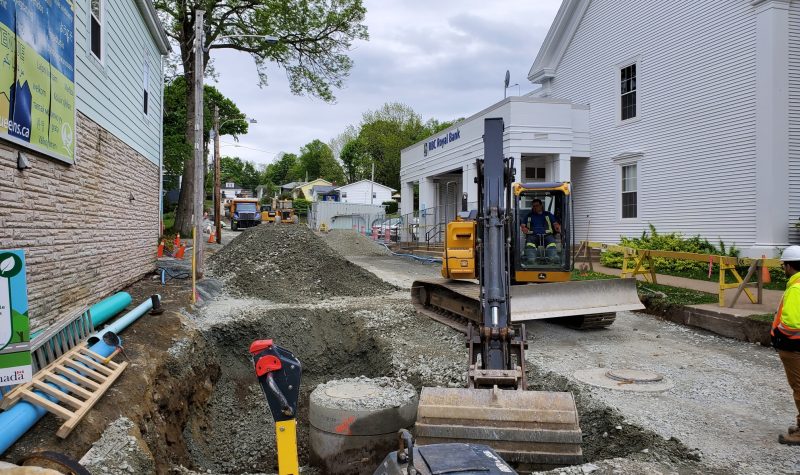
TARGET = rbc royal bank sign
x,y
440,142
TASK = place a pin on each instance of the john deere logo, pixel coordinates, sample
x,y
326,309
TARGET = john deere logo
x,y
542,276
425,149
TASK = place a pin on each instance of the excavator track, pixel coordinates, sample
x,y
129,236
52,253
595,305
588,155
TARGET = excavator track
x,y
587,305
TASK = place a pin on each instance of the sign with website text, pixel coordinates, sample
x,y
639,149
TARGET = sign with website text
x,y
37,75
15,350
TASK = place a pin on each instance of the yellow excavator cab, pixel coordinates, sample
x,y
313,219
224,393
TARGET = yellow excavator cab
x,y
267,214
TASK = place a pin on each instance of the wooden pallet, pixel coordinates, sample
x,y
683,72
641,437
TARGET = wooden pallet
x,y
90,375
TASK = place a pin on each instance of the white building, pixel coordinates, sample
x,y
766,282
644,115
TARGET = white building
x,y
231,190
545,136
693,114
365,192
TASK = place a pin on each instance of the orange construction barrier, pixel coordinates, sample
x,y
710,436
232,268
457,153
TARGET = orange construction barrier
x,y
180,252
212,237
765,278
177,241
160,252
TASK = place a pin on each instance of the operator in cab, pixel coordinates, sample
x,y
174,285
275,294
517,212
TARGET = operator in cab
x,y
540,227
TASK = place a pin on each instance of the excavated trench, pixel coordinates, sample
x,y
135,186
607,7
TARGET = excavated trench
x,y
223,424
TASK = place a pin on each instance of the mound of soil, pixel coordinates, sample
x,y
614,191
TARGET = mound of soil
x,y
289,263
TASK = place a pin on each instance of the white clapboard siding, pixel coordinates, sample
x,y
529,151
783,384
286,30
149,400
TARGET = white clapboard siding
x,y
359,192
696,127
111,93
794,120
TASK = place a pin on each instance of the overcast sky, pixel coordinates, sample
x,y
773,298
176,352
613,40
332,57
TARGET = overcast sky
x,y
445,59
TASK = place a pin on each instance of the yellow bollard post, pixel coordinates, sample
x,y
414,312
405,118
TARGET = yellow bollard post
x,y
286,439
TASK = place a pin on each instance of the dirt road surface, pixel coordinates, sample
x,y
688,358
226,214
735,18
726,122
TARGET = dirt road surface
x,y
730,399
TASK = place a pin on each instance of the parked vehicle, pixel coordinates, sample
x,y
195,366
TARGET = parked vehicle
x,y
244,213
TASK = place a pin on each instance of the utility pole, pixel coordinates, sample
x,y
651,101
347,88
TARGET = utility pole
x,y
217,197
199,169
372,184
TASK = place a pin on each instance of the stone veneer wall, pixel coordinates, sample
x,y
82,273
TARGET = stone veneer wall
x,y
87,229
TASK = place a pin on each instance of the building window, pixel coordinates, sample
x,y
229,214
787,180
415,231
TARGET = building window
x,y
629,187
145,85
628,92
229,185
534,174
374,195
344,194
96,33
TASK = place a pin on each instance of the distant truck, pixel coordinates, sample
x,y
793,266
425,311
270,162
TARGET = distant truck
x,y
244,213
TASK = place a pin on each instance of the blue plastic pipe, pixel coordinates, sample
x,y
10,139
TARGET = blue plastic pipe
x,y
19,418
103,310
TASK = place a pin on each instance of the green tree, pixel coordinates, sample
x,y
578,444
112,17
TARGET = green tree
x,y
316,161
355,161
243,173
177,149
280,171
314,38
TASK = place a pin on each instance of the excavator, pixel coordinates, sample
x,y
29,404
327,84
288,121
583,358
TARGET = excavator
x,y
495,420
490,245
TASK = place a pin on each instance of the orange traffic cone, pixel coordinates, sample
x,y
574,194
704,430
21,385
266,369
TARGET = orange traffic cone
x,y
177,241
160,252
765,278
212,237
181,250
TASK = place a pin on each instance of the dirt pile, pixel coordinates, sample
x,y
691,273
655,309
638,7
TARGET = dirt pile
x,y
289,263
350,243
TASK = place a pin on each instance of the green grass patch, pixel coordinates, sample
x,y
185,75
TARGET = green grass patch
x,y
674,295
169,221
20,358
764,317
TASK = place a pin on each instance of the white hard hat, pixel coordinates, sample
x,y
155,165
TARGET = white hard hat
x,y
791,254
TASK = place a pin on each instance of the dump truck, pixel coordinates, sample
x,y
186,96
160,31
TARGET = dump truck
x,y
244,213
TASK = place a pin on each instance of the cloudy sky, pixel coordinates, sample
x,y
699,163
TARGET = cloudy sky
x,y
443,58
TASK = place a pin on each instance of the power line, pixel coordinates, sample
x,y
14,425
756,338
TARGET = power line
x,y
229,144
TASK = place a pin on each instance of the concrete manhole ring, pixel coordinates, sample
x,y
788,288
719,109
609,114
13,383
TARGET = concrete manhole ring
x,y
625,380
634,376
355,390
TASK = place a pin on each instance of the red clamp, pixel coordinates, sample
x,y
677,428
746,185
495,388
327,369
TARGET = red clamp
x,y
260,345
268,364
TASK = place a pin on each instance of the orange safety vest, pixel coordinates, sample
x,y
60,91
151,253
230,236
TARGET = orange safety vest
x,y
780,333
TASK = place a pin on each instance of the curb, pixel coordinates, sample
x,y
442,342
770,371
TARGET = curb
x,y
730,326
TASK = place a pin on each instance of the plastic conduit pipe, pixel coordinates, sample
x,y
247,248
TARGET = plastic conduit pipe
x,y
20,417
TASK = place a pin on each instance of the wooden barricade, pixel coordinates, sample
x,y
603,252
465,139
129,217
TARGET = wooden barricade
x,y
82,372
641,262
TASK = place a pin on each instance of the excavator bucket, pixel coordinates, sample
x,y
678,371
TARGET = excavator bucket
x,y
576,298
524,427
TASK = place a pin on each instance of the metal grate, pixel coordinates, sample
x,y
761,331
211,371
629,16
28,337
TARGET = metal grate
x,y
61,337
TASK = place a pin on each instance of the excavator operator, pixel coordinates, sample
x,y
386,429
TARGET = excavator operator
x,y
540,227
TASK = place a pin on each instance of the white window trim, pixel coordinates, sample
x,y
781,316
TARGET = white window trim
x,y
622,160
101,61
637,60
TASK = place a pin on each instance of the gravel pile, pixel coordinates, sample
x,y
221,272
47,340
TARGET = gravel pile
x,y
289,263
350,243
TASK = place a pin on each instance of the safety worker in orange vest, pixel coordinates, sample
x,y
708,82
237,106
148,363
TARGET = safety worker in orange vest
x,y
786,334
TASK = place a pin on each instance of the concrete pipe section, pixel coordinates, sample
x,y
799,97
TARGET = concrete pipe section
x,y
625,380
354,422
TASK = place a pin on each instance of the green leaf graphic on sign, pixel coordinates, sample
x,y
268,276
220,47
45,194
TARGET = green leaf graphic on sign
x,y
10,265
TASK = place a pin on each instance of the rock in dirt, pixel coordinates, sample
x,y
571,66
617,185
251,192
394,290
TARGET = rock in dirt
x,y
289,263
120,450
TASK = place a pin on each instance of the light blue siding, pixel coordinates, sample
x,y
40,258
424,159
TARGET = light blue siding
x,y
111,92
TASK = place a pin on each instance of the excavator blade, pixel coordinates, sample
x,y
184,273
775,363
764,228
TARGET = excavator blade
x,y
567,299
582,304
524,427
